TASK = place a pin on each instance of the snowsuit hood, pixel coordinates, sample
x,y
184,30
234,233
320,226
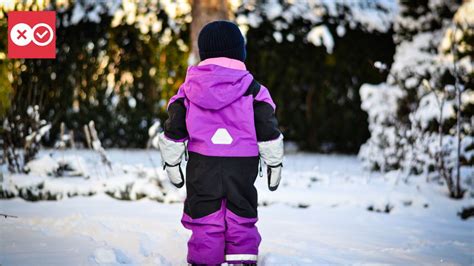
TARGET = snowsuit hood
x,y
214,87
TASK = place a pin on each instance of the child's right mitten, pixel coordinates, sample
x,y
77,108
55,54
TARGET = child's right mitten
x,y
272,154
171,154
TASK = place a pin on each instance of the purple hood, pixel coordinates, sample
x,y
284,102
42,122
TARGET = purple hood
x,y
214,87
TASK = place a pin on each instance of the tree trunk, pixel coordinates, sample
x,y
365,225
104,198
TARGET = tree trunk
x,y
203,12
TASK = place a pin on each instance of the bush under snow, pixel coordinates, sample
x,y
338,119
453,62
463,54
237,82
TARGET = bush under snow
x,y
81,173
412,116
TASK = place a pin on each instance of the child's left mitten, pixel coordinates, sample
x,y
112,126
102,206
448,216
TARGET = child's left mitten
x,y
272,154
171,154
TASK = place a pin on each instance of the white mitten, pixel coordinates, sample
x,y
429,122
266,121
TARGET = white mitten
x,y
272,154
171,154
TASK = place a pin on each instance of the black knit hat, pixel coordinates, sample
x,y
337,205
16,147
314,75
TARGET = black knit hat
x,y
221,39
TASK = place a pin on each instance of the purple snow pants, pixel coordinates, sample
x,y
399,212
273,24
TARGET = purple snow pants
x,y
222,237
221,209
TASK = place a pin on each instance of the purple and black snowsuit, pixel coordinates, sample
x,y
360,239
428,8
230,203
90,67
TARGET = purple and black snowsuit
x,y
224,114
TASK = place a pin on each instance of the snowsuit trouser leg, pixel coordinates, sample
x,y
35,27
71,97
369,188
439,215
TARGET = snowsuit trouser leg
x,y
242,237
221,209
206,245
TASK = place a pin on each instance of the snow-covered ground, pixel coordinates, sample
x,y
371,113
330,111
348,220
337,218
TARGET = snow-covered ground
x,y
327,211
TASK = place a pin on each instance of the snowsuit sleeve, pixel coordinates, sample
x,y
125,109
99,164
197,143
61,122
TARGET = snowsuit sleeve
x,y
269,137
175,126
171,141
266,123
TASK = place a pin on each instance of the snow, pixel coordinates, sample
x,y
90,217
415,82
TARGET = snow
x,y
320,35
86,174
414,55
77,13
130,12
290,37
91,10
278,36
464,13
429,110
380,101
104,255
340,30
132,102
319,215
38,135
45,165
404,111
373,15
272,9
254,20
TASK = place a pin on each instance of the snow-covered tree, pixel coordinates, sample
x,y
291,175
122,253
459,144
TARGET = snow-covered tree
x,y
117,63
413,115
314,56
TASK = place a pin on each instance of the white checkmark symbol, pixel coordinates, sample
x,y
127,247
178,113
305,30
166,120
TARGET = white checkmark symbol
x,y
41,35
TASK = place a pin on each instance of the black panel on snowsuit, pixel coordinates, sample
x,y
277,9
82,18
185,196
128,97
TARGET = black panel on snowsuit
x,y
211,178
175,125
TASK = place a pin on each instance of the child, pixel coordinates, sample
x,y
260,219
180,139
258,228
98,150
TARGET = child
x,y
228,120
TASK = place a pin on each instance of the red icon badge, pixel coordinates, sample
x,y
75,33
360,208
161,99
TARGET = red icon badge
x,y
32,34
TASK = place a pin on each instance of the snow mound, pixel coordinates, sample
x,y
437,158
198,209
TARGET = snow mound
x,y
45,165
81,173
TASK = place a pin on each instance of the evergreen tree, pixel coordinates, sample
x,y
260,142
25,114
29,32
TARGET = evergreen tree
x,y
115,66
316,86
414,128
